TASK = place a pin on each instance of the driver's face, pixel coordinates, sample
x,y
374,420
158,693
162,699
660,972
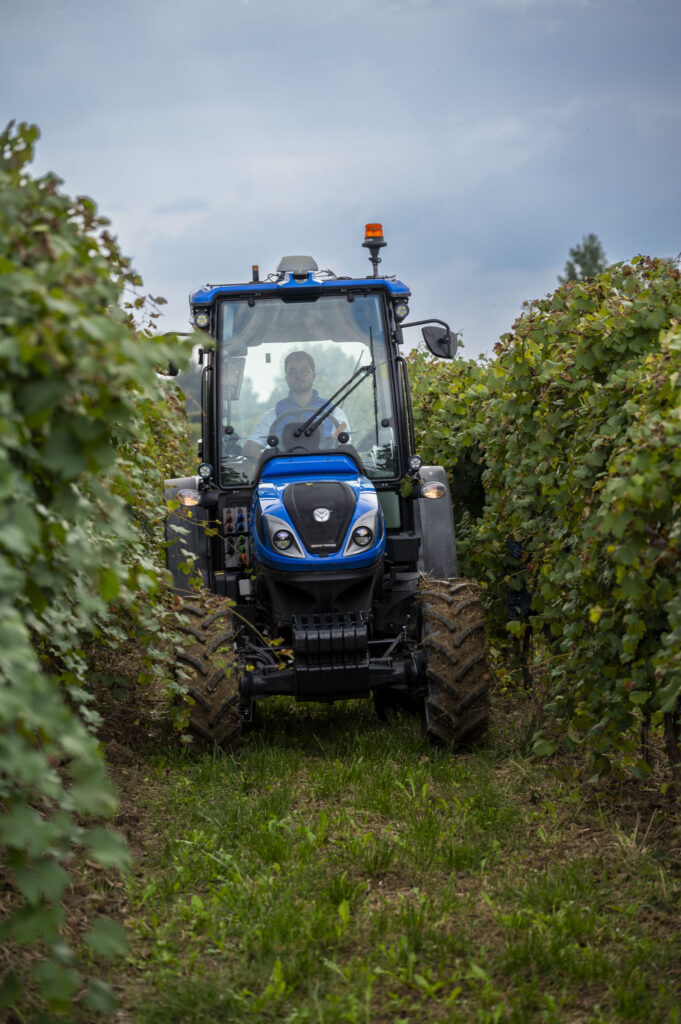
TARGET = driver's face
x,y
299,376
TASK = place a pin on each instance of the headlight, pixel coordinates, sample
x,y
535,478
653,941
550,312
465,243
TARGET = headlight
x,y
282,539
415,463
362,536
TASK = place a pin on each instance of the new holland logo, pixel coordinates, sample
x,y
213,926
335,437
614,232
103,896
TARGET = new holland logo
x,y
321,515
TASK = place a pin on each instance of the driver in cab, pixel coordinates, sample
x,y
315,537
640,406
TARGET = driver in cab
x,y
301,403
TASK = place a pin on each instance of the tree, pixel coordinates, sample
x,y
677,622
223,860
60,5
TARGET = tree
x,y
586,260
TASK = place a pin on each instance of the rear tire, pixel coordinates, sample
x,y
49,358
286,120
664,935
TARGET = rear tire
x,y
208,660
457,674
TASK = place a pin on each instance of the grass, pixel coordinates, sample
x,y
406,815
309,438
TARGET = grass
x,y
340,870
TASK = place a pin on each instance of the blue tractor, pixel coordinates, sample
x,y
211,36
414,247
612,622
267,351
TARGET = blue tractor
x,y
325,547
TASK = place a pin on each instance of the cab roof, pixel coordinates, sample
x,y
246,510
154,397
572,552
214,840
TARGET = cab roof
x,y
288,282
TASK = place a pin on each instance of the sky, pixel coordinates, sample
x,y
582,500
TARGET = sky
x,y
487,136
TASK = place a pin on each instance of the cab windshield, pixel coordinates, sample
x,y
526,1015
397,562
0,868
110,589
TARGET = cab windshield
x,y
280,363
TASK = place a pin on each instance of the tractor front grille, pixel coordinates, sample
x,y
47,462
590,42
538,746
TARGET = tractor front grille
x,y
334,500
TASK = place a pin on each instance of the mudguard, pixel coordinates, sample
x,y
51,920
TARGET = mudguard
x,y
434,524
185,533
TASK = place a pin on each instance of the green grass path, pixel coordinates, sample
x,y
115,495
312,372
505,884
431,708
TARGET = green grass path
x,y
340,870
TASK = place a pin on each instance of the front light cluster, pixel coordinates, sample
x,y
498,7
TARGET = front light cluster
x,y
282,538
188,497
433,489
363,534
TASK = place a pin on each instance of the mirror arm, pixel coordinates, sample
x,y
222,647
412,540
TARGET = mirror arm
x,y
432,320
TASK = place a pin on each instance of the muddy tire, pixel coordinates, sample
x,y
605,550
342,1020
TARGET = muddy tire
x,y
457,674
208,661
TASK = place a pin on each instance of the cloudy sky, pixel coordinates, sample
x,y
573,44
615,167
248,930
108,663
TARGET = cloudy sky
x,y
488,136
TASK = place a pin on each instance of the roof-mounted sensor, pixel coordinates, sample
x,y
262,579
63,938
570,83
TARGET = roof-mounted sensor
x,y
299,266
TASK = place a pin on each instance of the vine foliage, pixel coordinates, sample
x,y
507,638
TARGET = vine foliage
x,y
575,431
79,391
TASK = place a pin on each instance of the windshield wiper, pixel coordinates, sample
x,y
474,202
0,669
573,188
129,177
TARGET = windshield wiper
x,y
326,408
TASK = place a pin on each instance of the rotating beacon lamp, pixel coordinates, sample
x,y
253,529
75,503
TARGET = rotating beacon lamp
x,y
373,241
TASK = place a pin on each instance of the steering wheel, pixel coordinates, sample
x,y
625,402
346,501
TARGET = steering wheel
x,y
300,415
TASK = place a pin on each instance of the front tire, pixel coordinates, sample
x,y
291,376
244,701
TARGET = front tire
x,y
208,660
457,674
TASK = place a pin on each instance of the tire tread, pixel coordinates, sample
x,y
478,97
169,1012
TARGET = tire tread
x,y
207,658
457,674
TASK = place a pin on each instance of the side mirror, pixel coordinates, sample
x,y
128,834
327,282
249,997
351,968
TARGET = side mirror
x,y
440,340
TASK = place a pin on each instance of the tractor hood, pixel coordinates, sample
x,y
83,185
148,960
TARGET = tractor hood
x,y
315,512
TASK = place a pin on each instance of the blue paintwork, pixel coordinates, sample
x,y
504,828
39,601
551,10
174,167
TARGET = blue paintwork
x,y
204,296
326,465
276,476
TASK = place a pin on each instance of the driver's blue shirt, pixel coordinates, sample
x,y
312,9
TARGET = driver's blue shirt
x,y
262,429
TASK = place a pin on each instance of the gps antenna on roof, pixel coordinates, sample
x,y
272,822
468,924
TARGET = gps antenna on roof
x,y
297,266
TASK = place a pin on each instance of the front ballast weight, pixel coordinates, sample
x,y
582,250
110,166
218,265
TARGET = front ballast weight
x,y
332,658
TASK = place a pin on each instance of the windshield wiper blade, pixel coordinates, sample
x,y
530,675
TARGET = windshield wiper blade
x,y
327,407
